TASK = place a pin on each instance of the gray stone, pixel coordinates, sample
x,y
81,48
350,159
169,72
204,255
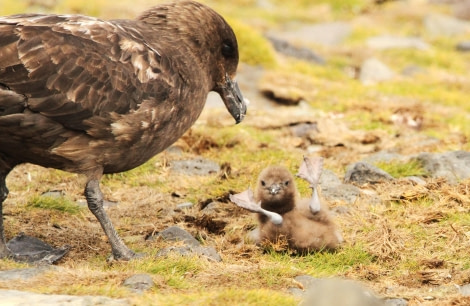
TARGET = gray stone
x,y
416,179
296,291
329,33
307,281
329,178
32,250
463,46
332,189
208,252
185,205
453,166
139,282
362,173
303,129
211,208
443,25
285,48
343,192
396,42
191,247
14,297
373,71
175,233
395,302
24,274
465,290
327,292
197,166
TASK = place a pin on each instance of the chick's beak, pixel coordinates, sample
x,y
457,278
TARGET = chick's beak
x,y
233,99
274,189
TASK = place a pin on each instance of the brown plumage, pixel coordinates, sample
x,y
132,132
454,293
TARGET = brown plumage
x,y
303,229
91,96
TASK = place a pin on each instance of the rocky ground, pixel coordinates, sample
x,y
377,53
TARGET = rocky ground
x,y
378,90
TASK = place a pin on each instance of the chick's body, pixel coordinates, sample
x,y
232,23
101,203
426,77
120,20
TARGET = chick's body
x,y
303,230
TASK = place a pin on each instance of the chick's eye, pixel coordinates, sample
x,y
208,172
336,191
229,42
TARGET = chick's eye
x,y
263,183
286,183
227,49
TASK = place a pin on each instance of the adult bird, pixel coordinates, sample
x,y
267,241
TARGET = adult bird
x,y
91,96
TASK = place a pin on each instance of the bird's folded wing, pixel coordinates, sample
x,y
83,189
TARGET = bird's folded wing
x,y
72,68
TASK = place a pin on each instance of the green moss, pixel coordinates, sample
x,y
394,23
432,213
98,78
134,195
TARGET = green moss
x,y
55,203
254,49
398,168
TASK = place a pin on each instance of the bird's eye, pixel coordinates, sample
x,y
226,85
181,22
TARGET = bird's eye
x,y
227,49
263,183
286,183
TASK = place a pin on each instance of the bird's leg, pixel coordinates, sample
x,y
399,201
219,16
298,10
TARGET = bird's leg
x,y
4,251
94,199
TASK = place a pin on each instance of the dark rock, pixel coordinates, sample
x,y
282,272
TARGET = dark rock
x,y
463,46
139,282
175,233
302,129
197,166
302,53
33,250
334,190
362,173
453,166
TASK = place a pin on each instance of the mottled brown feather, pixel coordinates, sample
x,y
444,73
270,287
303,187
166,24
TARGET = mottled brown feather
x,y
107,85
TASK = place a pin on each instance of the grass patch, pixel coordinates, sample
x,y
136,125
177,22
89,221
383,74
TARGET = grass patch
x,y
399,169
61,204
254,49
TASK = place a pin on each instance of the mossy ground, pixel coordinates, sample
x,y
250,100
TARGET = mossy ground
x,y
413,245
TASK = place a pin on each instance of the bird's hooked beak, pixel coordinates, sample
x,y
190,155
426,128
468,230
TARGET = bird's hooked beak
x,y
274,189
233,99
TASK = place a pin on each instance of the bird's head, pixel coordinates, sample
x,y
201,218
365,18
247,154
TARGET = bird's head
x,y
213,43
276,190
